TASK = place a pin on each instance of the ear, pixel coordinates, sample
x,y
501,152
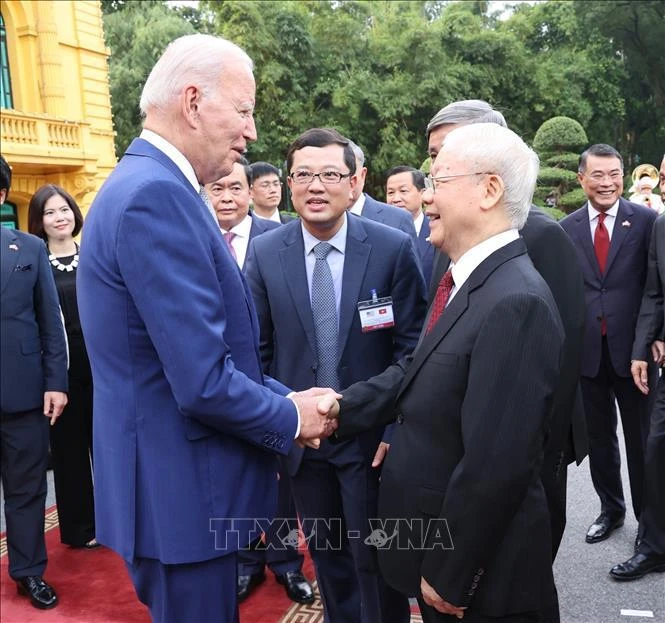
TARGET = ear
x,y
493,191
580,177
191,100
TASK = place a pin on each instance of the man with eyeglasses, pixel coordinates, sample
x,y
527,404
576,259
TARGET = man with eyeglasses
x,y
339,298
266,193
611,237
473,403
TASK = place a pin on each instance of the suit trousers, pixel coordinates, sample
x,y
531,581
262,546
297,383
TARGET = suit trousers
x,y
24,452
336,496
280,558
71,449
599,394
199,592
652,522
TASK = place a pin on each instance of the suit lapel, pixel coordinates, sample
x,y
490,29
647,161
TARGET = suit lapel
x,y
356,258
458,306
584,234
10,256
619,232
292,258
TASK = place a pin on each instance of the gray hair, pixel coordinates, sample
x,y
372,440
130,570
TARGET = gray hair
x,y
358,153
466,112
191,59
489,147
601,150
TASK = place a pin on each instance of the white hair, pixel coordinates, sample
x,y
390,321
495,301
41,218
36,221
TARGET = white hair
x,y
192,59
491,148
357,152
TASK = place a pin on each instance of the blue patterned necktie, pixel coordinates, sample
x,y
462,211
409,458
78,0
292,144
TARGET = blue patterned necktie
x,y
206,200
324,312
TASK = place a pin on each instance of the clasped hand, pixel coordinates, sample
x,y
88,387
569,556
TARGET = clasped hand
x,y
318,409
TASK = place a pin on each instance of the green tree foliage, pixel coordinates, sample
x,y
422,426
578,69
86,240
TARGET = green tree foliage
x,y
378,71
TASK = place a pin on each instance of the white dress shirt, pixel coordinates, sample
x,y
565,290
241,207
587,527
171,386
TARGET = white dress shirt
x,y
274,217
610,218
357,207
240,242
418,222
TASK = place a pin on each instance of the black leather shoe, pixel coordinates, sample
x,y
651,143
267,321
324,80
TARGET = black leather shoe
x,y
297,587
247,583
637,566
601,529
40,593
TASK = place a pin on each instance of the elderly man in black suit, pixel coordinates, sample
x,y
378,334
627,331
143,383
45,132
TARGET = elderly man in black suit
x,y
650,340
473,404
611,237
34,386
554,257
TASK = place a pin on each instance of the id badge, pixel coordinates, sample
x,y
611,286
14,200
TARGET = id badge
x,y
376,313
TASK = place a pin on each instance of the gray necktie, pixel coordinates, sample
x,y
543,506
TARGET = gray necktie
x,y
204,196
324,312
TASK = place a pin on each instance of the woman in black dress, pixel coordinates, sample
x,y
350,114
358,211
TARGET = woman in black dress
x,y
54,216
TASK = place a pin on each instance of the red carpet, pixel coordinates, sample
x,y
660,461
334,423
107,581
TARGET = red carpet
x,y
110,598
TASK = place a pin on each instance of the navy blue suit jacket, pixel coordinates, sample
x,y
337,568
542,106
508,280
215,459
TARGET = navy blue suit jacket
x,y
33,346
388,215
259,226
377,258
616,294
186,426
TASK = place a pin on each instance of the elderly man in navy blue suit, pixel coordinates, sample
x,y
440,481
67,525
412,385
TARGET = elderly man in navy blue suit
x,y
34,385
339,299
611,236
404,189
187,426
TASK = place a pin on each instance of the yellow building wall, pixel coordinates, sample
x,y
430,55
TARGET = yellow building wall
x,y
60,129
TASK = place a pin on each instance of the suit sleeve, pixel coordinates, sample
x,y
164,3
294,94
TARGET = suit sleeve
x,y
651,318
51,329
512,369
175,281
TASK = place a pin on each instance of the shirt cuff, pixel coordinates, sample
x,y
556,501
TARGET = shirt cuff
x,y
290,397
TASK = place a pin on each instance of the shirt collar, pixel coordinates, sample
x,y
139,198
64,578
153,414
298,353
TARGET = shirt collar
x,y
338,241
418,221
476,255
242,228
174,154
593,213
357,207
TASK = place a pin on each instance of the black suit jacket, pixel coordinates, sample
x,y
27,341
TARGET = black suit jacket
x,y
33,346
554,257
651,321
472,412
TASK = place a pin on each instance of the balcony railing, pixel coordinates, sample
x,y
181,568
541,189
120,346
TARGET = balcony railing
x,y
41,135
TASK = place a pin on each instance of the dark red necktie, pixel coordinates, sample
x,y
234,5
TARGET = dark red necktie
x,y
440,299
601,244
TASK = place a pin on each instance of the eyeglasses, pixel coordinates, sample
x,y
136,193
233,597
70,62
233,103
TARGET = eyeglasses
x,y
267,185
218,191
614,176
432,183
325,177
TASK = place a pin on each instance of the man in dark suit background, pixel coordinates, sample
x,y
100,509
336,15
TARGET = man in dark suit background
x,y
362,204
34,385
553,255
186,425
404,188
650,344
305,341
266,193
229,197
611,237
461,491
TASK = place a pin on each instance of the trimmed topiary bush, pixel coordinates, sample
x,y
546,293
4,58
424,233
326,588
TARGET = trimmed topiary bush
x,y
572,200
558,135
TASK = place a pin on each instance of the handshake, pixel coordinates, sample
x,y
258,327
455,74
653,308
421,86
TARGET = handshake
x,y
318,408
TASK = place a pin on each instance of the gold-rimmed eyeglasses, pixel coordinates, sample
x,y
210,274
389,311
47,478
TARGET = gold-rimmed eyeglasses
x,y
432,183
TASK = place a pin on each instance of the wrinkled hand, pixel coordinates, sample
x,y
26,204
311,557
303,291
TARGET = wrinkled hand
x,y
316,420
381,453
639,371
432,598
658,352
54,403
